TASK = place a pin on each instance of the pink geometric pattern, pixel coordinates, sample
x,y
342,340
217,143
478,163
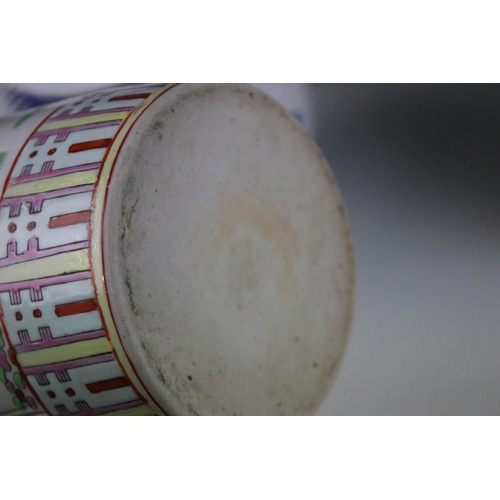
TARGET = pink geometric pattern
x,y
33,332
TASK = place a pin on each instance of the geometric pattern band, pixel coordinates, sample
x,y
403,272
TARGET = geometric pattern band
x,y
58,352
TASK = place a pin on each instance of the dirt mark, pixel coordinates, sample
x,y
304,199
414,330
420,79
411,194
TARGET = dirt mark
x,y
274,226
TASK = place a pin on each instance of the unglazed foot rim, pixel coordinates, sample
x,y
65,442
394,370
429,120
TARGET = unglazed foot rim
x,y
226,256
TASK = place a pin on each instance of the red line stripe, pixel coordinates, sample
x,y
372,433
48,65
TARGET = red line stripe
x,y
69,219
129,97
76,307
101,230
107,385
84,146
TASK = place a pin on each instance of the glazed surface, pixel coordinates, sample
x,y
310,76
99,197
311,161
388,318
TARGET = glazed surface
x,y
56,354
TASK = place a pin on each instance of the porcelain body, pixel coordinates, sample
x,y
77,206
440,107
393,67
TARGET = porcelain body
x,y
56,356
168,249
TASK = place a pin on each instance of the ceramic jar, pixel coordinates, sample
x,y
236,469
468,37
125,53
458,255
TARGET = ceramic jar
x,y
168,249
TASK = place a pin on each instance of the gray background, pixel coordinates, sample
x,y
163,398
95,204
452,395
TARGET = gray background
x,y
419,167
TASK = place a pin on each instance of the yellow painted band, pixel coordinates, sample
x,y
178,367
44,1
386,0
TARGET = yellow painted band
x,y
52,183
85,120
96,248
138,411
67,352
54,265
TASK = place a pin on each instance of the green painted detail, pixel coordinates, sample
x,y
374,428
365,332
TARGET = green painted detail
x,y
3,155
18,380
24,118
3,378
2,343
18,402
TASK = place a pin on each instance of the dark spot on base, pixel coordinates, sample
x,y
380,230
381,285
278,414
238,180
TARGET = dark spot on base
x,y
189,377
160,376
131,299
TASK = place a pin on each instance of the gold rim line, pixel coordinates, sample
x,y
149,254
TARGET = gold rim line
x,y
97,220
